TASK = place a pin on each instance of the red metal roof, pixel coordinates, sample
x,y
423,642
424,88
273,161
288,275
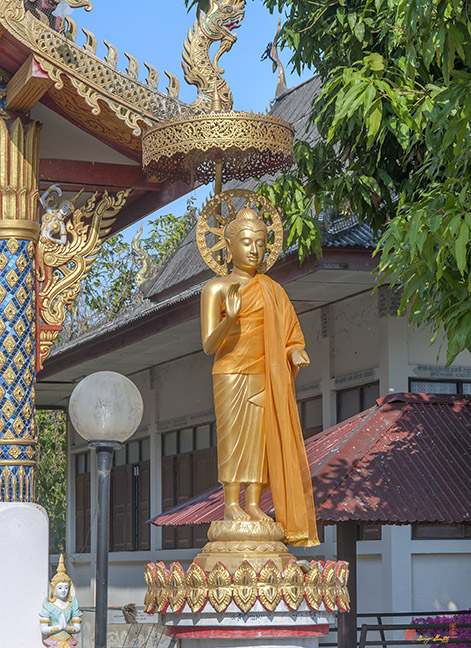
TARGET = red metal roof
x,y
404,460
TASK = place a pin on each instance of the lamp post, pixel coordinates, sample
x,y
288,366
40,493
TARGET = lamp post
x,y
106,409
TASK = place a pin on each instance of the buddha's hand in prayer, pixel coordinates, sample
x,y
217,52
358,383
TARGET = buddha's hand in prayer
x,y
299,358
233,301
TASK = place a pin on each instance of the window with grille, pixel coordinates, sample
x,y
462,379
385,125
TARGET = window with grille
x,y
130,497
189,467
439,386
82,502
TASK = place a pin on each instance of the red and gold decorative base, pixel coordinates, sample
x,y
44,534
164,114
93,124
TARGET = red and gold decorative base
x,y
245,584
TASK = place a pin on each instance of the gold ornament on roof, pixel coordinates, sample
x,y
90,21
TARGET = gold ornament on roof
x,y
220,211
69,242
97,81
217,25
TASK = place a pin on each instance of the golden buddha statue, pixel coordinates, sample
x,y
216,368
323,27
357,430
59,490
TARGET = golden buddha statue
x,y
250,325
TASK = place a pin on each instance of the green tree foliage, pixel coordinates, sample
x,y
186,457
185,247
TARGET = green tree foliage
x,y
51,476
394,123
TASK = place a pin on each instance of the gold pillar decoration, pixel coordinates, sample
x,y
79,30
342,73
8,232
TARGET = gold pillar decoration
x,y
19,168
19,230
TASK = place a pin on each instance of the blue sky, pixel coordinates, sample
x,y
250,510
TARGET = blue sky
x,y
154,31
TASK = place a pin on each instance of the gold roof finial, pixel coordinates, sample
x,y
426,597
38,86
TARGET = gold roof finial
x,y
216,105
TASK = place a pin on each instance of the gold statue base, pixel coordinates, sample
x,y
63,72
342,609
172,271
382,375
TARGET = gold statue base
x,y
232,542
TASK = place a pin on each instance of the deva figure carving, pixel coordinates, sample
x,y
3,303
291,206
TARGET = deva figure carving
x,y
60,617
250,325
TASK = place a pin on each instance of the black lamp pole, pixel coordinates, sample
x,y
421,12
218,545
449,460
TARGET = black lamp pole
x,y
104,458
104,405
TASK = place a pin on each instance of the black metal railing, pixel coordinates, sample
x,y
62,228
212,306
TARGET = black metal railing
x,y
382,628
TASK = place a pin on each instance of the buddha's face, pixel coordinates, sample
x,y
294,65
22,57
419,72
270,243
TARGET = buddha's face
x,y
248,248
61,591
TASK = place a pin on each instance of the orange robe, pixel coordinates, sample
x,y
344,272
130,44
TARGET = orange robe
x,y
256,409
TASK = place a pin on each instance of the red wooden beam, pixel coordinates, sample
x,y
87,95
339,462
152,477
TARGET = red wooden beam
x,y
95,176
149,203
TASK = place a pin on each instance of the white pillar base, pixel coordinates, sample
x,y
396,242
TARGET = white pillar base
x,y
259,628
24,560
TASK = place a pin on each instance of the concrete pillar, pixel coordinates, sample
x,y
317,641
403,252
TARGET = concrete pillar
x,y
24,549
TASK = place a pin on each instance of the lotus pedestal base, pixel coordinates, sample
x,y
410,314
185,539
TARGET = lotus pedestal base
x,y
246,589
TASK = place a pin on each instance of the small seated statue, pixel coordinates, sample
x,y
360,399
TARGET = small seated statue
x,y
60,616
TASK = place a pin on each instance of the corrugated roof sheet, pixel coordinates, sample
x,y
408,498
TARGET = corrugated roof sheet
x,y
405,460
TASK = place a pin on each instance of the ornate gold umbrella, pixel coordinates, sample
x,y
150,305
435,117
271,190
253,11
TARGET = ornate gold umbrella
x,y
218,146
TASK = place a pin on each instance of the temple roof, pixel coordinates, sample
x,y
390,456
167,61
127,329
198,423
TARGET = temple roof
x,y
403,461
93,93
93,114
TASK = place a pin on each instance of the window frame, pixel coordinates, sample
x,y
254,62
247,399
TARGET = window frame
x,y
361,388
302,404
177,487
131,533
459,383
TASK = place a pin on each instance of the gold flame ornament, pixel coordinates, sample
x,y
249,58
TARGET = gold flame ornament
x,y
69,242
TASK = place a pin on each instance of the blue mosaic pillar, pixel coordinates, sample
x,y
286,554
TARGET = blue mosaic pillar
x,y
17,371
19,230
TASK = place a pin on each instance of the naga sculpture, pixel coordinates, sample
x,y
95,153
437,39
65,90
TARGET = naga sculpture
x,y
142,257
217,25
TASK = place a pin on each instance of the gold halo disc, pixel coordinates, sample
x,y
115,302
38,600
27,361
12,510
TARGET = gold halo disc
x,y
220,211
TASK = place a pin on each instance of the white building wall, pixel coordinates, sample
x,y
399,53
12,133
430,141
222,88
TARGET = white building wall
x,y
184,389
354,335
352,342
